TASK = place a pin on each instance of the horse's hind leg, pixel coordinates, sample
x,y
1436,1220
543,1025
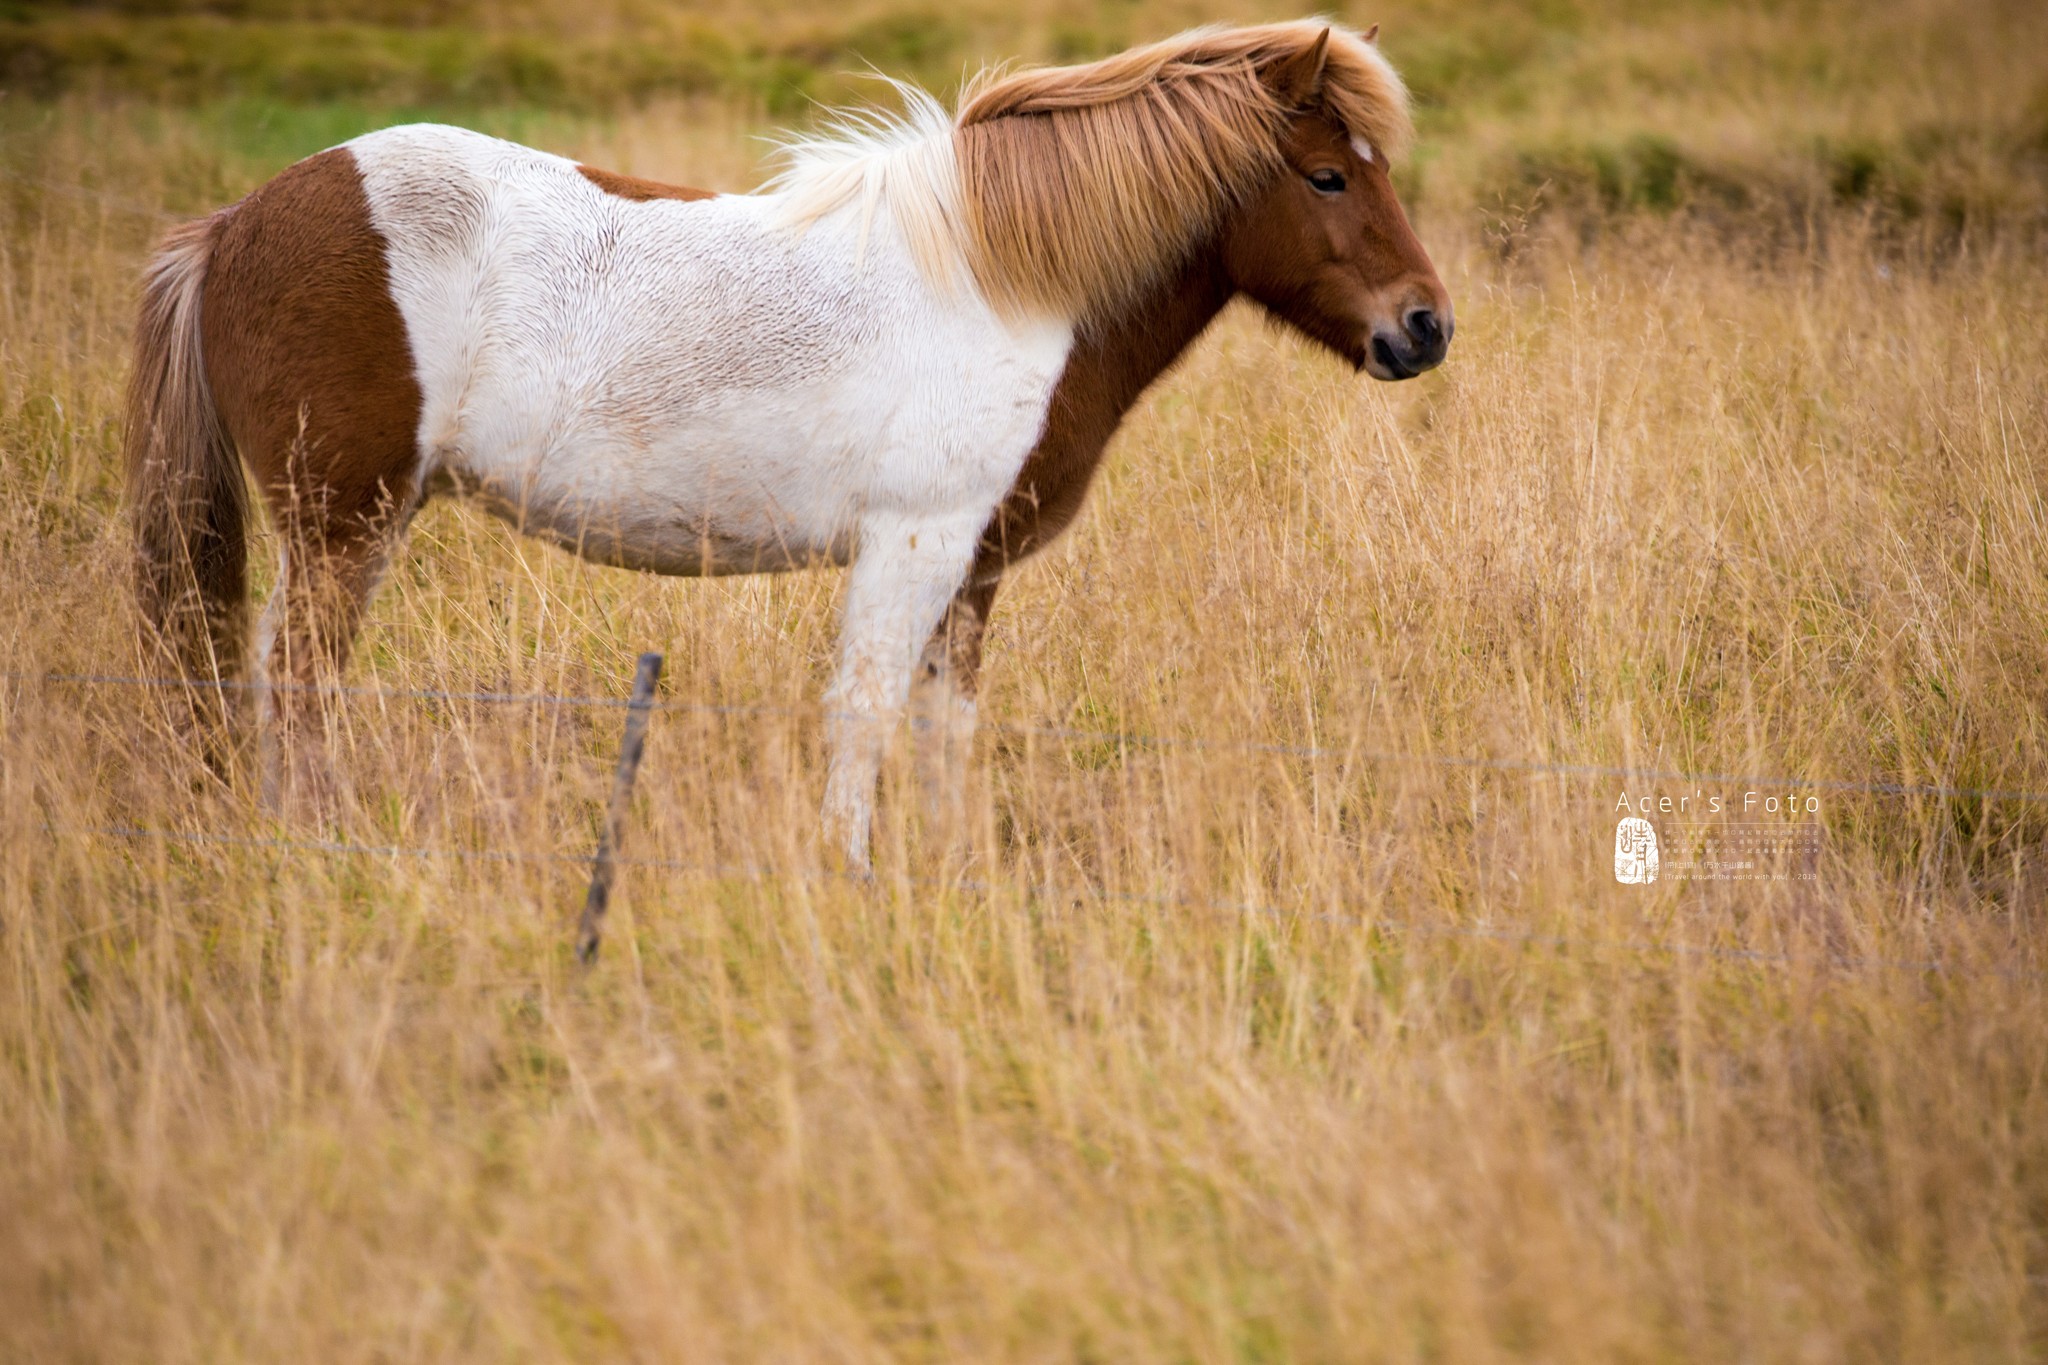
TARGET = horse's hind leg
x,y
327,575
310,363
943,703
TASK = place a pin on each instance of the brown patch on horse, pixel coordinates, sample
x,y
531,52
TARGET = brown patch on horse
x,y
306,350
1112,362
638,190
312,371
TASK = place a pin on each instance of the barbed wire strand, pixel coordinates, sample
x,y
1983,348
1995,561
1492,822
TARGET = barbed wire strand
x,y
1120,738
403,693
976,886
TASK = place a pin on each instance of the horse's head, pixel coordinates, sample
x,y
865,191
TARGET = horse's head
x,y
1324,244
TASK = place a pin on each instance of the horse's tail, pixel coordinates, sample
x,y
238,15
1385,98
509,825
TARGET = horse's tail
x,y
185,487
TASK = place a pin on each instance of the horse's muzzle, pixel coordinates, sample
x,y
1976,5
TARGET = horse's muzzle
x,y
1419,345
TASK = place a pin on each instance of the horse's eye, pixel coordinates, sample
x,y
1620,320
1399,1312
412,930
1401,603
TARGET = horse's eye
x,y
1329,182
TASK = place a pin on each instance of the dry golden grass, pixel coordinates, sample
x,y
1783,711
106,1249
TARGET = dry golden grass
x,y
1201,1052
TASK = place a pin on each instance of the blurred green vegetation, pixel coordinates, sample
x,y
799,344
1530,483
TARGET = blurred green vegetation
x,y
1913,109
196,57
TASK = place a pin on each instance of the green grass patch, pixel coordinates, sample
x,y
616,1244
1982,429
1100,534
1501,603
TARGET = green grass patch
x,y
191,58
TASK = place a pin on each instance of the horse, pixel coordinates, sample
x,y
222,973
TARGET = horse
x,y
904,354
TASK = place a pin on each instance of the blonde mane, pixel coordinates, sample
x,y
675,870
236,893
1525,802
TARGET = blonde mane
x,y
1067,189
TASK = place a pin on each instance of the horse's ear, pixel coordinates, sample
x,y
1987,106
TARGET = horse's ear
x,y
1372,35
1297,80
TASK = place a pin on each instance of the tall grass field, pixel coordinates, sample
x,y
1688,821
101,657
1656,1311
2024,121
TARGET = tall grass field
x,y
1276,998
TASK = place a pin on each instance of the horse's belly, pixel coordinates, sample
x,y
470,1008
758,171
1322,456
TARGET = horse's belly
x,y
680,543
691,501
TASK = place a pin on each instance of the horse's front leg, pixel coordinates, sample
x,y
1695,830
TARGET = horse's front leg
x,y
901,582
943,701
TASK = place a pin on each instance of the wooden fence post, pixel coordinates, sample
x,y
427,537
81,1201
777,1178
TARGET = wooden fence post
x,y
605,865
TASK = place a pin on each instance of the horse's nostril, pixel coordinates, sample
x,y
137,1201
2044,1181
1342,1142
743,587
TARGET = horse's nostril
x,y
1423,328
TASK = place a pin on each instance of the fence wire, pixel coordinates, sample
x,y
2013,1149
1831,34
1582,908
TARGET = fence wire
x,y
1122,739
974,886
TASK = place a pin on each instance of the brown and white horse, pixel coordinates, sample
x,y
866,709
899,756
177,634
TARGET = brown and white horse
x,y
905,354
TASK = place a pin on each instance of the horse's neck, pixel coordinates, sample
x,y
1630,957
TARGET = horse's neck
x,y
1114,360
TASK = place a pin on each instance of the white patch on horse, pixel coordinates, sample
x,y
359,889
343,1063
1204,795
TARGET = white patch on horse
x,y
694,387
667,371
1363,148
